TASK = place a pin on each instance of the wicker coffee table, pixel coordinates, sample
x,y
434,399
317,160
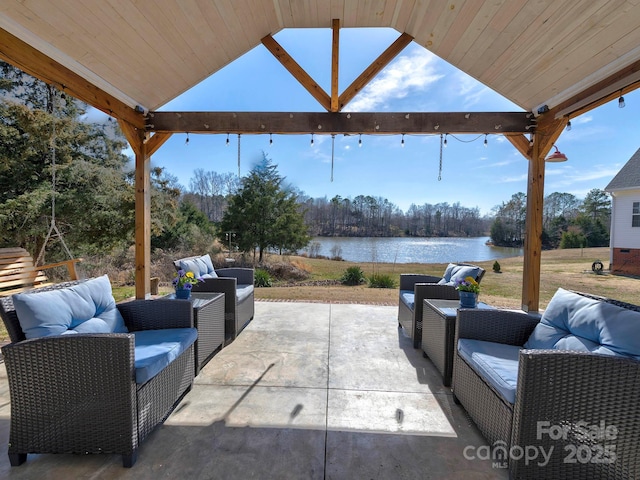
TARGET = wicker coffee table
x,y
438,332
208,318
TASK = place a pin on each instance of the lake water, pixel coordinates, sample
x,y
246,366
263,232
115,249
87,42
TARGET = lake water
x,y
413,250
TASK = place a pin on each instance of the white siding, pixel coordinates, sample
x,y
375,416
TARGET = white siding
x,y
623,235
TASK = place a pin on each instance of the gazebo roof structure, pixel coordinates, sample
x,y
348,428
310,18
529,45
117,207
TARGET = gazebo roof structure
x,y
128,58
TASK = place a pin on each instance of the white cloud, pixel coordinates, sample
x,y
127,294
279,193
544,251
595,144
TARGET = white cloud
x,y
581,119
571,177
469,89
518,178
503,163
406,75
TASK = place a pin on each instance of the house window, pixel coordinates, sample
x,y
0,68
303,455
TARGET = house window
x,y
635,217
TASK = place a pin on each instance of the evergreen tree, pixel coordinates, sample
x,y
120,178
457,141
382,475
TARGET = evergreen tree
x,y
597,205
90,186
263,214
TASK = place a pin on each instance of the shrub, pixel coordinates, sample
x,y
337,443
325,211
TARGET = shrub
x,y
496,267
261,278
382,280
353,276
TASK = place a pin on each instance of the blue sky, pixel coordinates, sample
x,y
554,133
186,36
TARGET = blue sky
x,y
598,144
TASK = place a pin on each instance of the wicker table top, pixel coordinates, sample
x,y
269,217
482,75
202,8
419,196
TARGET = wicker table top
x,y
449,308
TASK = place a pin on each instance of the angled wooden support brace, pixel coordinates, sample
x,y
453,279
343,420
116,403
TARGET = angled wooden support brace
x,y
297,71
376,67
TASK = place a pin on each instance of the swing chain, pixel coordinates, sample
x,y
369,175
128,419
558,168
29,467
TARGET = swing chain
x,y
440,169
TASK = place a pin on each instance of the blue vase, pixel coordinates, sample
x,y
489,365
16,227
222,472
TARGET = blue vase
x,y
468,299
183,293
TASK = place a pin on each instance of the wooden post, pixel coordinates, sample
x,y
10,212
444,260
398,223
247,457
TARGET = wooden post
x,y
138,140
335,51
547,132
533,230
143,223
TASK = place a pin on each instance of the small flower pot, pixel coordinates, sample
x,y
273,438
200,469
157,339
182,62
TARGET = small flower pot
x,y
468,299
183,293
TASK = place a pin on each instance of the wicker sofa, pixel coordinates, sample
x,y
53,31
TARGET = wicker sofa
x,y
414,288
235,283
73,391
565,385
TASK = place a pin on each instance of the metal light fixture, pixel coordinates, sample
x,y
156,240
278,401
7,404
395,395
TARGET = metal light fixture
x,y
556,156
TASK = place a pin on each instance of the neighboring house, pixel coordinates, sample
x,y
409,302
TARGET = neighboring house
x,y
625,218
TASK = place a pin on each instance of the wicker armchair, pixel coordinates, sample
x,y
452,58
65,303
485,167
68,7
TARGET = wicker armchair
x,y
238,307
564,399
423,286
78,394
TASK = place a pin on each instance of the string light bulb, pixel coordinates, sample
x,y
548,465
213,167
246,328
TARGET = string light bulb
x,y
402,141
445,140
486,144
270,139
312,139
360,141
186,142
569,126
227,139
621,103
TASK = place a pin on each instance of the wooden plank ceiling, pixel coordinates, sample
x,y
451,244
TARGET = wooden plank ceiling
x,y
545,52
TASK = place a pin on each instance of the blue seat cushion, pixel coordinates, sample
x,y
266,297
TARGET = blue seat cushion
x,y
155,349
408,297
243,291
496,363
575,322
200,266
88,307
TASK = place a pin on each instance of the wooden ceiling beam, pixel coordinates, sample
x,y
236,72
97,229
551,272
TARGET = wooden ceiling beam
x,y
376,67
348,123
23,56
335,51
619,83
297,71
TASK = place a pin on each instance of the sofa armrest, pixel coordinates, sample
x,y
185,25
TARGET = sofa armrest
x,y
67,382
408,280
156,314
512,327
226,285
243,275
569,400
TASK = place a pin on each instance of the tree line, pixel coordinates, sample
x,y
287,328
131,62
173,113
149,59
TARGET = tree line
x,y
568,222
368,216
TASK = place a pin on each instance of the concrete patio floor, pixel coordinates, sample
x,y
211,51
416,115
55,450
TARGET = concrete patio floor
x,y
307,391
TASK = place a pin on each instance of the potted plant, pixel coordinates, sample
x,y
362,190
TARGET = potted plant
x,y
183,282
468,289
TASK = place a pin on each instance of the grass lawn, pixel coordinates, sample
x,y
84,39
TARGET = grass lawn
x,y
569,269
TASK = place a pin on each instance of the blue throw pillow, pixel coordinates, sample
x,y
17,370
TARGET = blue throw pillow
x,y
447,273
199,266
575,322
453,273
464,271
88,307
